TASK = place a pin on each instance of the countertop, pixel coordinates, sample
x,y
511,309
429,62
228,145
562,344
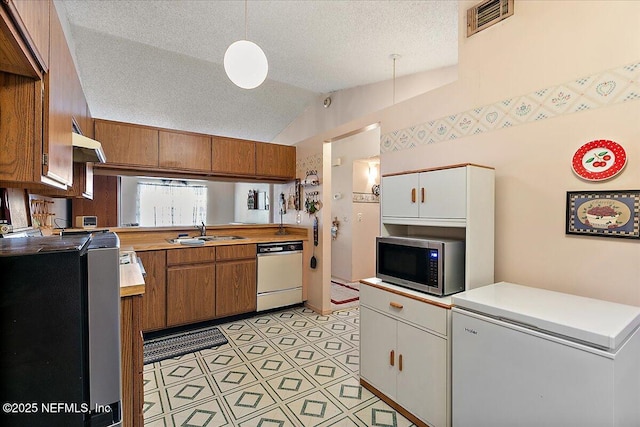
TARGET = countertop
x,y
150,239
131,278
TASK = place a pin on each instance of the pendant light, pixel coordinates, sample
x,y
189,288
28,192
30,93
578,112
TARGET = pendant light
x,y
244,62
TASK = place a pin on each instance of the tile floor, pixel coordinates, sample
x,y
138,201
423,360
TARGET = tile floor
x,y
286,368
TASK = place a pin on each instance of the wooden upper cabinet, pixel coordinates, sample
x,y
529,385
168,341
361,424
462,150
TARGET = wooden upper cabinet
x,y
32,19
133,147
59,92
20,129
233,156
24,37
274,160
125,144
184,151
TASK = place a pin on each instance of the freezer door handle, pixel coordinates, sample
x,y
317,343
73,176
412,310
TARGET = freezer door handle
x,y
392,358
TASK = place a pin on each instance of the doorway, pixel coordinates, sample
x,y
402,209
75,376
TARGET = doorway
x,y
355,213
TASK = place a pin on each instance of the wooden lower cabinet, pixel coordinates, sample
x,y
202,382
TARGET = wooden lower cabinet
x,y
236,280
404,363
190,293
132,361
235,287
154,307
190,285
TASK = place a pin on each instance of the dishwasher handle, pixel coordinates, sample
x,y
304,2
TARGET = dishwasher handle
x,y
278,253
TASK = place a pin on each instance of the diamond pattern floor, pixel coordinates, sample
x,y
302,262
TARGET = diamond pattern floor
x,y
281,369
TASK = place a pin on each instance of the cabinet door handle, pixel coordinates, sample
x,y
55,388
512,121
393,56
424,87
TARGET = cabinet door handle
x,y
392,358
396,305
422,195
400,363
413,195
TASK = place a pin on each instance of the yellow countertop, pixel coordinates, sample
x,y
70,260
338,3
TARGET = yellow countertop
x,y
150,239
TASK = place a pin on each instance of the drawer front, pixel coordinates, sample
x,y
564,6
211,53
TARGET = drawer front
x,y
420,313
235,252
191,255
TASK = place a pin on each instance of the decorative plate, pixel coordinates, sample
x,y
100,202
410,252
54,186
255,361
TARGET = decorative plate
x,y
599,160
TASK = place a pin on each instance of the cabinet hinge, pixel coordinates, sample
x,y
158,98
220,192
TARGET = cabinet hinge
x,y
45,159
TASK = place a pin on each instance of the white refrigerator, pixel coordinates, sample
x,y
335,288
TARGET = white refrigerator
x,y
525,356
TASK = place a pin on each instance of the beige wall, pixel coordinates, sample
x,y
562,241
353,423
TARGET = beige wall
x,y
542,45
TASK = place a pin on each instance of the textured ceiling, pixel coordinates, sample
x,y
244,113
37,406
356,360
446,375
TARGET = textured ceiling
x,y
159,62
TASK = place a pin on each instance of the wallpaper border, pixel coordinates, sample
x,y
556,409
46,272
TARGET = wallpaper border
x,y
610,87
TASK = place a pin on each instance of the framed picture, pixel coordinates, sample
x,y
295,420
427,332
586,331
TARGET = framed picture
x,y
604,213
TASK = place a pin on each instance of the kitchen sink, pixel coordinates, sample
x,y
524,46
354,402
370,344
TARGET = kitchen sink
x,y
216,238
204,238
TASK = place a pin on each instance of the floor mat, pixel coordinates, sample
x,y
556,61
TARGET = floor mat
x,y
162,348
344,293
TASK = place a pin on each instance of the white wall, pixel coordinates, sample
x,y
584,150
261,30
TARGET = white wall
x,y
352,104
543,45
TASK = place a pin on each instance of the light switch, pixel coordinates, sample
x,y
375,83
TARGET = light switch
x,y
359,216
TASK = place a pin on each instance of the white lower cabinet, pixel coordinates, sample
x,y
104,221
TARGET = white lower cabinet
x,y
406,362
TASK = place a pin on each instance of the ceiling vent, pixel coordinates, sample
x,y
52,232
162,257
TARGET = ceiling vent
x,y
487,13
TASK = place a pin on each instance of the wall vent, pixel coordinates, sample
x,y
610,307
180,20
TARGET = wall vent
x,y
486,14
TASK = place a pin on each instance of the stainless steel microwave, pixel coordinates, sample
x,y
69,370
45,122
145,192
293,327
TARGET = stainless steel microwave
x,y
430,266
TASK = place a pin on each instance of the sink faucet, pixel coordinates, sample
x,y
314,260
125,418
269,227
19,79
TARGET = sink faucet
x,y
203,229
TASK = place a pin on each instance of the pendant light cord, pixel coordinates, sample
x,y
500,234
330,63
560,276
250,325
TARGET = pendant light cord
x,y
394,80
394,56
246,25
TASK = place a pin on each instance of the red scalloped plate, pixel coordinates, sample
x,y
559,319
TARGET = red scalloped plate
x,y
599,160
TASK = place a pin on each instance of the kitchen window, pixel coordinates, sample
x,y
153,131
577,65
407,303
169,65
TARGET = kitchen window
x,y
170,203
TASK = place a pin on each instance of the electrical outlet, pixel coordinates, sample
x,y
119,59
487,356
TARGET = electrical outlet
x,y
359,216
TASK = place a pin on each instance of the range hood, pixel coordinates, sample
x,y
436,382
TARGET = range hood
x,y
86,149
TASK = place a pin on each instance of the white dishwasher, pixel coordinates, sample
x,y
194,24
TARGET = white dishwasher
x,y
279,274
525,357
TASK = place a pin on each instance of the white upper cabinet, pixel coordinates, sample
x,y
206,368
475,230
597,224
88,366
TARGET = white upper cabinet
x,y
438,197
399,196
443,193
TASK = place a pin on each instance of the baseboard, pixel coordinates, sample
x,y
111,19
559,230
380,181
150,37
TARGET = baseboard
x,y
408,415
317,310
